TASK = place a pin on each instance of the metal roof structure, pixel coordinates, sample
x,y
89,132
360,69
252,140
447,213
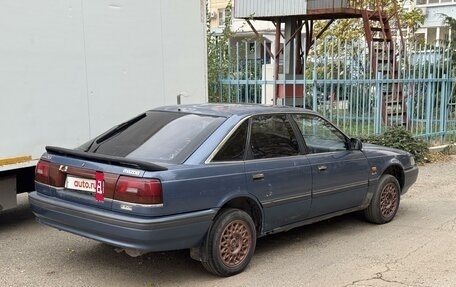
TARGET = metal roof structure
x,y
302,9
265,9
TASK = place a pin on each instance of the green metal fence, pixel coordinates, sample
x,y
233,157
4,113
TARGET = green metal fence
x,y
414,87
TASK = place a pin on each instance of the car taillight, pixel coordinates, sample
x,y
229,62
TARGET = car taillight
x,y
138,190
42,172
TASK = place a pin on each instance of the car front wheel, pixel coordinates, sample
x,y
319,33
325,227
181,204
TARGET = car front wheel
x,y
385,202
231,243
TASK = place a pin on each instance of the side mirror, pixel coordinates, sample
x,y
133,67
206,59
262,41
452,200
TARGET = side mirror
x,y
356,144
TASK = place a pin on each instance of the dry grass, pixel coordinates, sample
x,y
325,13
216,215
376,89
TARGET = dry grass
x,y
436,157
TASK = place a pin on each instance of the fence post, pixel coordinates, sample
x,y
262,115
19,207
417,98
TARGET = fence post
x,y
379,104
315,104
429,105
238,87
443,105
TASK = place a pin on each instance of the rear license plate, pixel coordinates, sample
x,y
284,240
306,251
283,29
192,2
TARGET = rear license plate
x,y
82,184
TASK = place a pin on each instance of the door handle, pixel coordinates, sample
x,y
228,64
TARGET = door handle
x,y
258,176
322,168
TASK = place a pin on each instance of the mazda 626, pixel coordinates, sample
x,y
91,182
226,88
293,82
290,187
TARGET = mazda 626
x,y
213,178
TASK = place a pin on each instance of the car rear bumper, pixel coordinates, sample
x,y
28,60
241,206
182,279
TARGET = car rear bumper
x,y
410,177
146,234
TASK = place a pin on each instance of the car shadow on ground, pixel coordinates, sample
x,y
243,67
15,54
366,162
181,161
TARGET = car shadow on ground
x,y
312,233
179,267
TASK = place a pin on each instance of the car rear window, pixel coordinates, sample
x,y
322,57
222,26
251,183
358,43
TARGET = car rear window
x,y
156,136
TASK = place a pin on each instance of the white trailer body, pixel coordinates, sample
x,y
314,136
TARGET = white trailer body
x,y
71,69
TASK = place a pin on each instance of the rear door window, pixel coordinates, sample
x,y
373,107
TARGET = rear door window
x,y
156,136
272,136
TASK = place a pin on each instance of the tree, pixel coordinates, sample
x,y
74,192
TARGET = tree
x,y
217,53
412,20
451,23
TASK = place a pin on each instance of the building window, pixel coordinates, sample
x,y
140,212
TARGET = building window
x,y
431,35
221,16
252,47
445,34
268,55
420,37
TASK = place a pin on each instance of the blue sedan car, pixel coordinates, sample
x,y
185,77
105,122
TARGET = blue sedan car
x,y
213,178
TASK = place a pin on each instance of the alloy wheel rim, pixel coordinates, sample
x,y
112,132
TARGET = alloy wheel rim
x,y
235,243
388,200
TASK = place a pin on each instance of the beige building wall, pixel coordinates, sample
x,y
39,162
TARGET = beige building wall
x,y
215,12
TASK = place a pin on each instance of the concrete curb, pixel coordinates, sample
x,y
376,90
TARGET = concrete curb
x,y
448,149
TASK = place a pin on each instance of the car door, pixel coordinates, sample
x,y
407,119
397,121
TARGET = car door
x,y
339,172
276,171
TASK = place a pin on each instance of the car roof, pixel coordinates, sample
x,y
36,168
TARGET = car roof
x,y
228,110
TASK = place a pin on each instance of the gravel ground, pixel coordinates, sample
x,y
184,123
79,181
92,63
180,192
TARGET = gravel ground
x,y
415,249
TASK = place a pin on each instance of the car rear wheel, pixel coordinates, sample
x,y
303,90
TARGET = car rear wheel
x,y
231,243
385,202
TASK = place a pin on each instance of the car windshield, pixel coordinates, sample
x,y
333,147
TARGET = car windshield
x,y
156,136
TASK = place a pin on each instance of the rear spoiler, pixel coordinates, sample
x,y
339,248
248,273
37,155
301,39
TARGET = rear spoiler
x,y
116,160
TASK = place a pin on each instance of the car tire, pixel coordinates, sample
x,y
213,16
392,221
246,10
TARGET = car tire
x,y
230,243
385,201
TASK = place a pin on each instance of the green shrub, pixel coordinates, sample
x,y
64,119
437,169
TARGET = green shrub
x,y
398,137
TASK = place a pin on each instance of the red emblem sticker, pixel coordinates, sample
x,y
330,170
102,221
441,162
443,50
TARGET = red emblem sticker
x,y
99,186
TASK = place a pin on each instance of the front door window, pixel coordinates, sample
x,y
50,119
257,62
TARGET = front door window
x,y
319,135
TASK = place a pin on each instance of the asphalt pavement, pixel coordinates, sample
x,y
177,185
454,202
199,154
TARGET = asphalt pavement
x,y
418,248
